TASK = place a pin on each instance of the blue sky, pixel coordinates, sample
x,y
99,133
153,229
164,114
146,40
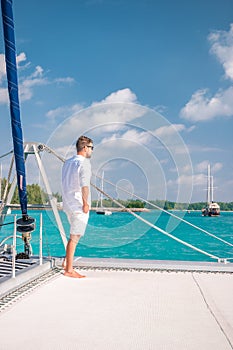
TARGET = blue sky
x,y
150,81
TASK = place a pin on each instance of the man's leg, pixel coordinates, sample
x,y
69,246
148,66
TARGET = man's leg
x,y
70,250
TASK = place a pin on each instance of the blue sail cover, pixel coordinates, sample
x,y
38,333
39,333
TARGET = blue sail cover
x,y
11,69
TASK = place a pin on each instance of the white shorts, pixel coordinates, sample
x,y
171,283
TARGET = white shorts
x,y
78,223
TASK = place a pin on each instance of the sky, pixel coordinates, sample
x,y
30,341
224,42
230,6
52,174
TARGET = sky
x,y
149,81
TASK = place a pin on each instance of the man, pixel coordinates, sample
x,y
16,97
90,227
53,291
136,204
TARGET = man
x,y
76,175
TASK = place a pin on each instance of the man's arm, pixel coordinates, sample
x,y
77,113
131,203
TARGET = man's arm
x,y
85,193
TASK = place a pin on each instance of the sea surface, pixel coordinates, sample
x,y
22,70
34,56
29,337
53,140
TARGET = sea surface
x,y
121,235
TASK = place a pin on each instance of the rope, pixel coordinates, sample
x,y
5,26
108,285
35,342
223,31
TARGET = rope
x,y
167,212
8,237
156,227
6,154
49,150
8,223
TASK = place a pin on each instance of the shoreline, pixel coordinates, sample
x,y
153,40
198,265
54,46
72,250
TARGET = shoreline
x,y
45,207
113,209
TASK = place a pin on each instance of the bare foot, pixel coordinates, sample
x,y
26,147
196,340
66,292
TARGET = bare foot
x,y
73,274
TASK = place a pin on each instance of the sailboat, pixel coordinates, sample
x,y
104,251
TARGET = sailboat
x,y
212,208
101,210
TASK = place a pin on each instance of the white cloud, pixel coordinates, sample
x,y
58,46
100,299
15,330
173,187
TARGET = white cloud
x,y
119,107
216,167
21,58
67,80
201,107
110,113
113,137
121,96
169,130
194,179
164,161
222,48
124,131
26,87
144,137
2,67
186,169
63,111
135,136
202,166
193,127
198,148
109,128
28,82
3,96
38,72
131,135
199,179
169,136
160,109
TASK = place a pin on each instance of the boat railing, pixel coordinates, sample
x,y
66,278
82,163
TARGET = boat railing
x,y
11,248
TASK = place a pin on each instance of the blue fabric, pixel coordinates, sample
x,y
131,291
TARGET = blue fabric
x,y
11,68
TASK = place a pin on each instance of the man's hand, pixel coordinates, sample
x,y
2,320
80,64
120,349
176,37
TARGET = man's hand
x,y
85,208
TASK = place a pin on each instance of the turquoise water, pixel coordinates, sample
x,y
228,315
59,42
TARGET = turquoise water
x,y
121,235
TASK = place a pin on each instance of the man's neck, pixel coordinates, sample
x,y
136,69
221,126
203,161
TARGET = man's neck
x,y
81,153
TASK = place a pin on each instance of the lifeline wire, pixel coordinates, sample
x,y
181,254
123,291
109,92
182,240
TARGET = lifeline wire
x,y
6,154
156,227
147,222
138,197
167,212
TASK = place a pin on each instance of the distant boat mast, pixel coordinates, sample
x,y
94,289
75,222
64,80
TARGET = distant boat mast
x,y
210,186
101,210
102,188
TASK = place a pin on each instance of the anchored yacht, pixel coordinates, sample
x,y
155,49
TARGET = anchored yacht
x,y
212,208
101,210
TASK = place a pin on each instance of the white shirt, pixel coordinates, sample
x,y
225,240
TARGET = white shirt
x,y
76,173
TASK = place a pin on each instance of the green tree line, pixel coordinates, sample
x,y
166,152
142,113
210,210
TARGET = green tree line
x,y
165,204
36,195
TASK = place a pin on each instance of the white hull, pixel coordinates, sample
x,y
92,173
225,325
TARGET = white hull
x,y
103,212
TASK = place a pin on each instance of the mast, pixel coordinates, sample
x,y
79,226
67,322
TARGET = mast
x,y
102,188
212,189
208,184
17,134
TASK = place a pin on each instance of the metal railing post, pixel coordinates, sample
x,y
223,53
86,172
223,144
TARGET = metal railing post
x,y
14,248
41,245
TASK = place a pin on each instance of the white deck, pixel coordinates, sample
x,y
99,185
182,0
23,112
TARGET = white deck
x,y
124,310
